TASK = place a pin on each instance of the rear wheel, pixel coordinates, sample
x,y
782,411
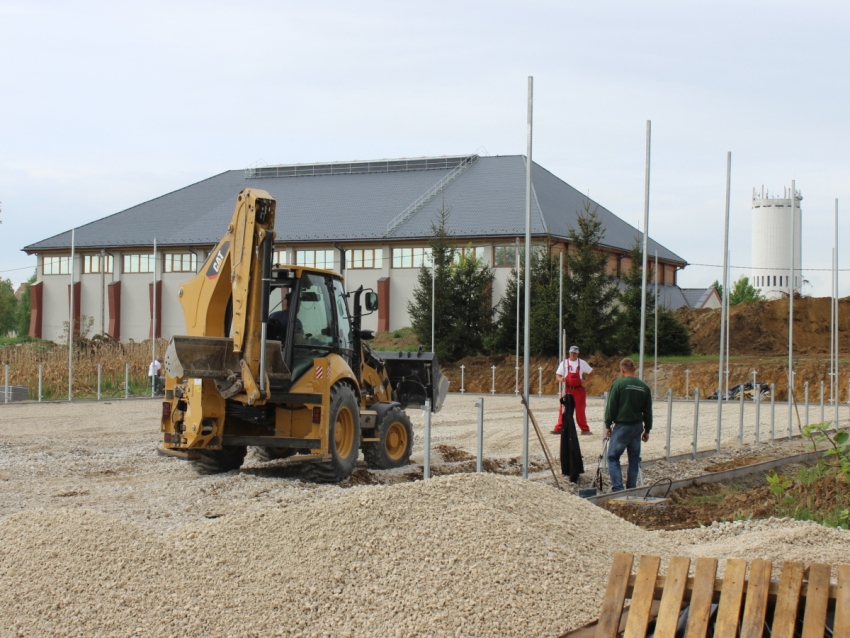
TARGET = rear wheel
x,y
396,442
343,438
216,461
271,453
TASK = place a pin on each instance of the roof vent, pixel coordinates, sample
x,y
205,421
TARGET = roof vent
x,y
358,168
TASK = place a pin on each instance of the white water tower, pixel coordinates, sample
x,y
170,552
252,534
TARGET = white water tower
x,y
772,243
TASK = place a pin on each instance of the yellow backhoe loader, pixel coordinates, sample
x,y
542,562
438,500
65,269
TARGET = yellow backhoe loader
x,y
273,358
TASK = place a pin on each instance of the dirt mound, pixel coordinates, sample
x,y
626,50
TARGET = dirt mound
x,y
762,328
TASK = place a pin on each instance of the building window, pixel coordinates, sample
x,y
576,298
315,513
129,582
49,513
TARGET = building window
x,y
56,266
280,258
138,263
411,257
96,263
364,258
469,251
180,262
315,259
504,256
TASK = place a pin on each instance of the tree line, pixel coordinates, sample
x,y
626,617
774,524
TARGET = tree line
x,y
14,312
600,313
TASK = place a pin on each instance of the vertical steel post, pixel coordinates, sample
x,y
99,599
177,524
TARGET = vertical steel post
x,y
772,412
645,251
696,423
791,311
518,300
516,381
561,336
539,381
126,380
6,391
40,380
806,397
71,324
687,383
479,465
741,417
526,328
822,412
461,379
758,415
655,320
433,297
493,386
153,330
99,376
835,322
669,423
724,300
426,463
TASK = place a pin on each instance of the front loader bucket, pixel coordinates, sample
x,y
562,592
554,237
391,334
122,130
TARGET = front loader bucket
x,y
214,358
415,377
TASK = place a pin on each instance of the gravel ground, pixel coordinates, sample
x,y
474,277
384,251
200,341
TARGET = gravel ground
x,y
100,536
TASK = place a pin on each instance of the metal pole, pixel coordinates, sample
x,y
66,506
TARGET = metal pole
x,y
99,375
822,415
806,390
725,299
561,301
758,414
791,312
493,387
71,325
741,419
835,320
832,301
539,381
728,293
426,463
516,381
772,412
40,380
518,299
527,340
6,393
461,379
153,324
696,423
687,383
126,380
655,320
433,297
669,423
645,249
479,466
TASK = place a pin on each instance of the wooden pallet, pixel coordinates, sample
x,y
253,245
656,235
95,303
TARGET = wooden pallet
x,y
744,599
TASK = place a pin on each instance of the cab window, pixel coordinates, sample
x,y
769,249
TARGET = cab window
x,y
313,329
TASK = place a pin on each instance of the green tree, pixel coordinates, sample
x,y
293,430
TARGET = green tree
x,y
8,307
470,307
743,292
673,336
591,315
22,320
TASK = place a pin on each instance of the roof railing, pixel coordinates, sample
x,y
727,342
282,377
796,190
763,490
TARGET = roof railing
x,y
356,168
428,195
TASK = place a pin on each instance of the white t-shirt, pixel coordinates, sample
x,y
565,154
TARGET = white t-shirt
x,y
154,368
573,366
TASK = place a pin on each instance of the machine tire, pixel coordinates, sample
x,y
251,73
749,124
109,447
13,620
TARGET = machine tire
x,y
343,438
266,454
218,461
393,450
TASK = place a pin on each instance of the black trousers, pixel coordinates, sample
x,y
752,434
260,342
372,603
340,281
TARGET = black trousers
x,y
572,464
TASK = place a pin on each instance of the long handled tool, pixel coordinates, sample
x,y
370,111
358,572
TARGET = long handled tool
x,y
546,452
598,482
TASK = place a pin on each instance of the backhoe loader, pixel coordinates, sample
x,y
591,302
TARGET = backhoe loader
x,y
275,357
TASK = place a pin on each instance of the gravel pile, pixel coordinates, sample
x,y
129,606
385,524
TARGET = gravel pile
x,y
463,555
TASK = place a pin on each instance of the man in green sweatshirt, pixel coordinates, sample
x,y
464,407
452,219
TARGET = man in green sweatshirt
x,y
630,410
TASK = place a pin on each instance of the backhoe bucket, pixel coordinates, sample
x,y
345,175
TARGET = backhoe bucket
x,y
214,358
415,377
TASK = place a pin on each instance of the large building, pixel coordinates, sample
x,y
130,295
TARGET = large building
x,y
378,214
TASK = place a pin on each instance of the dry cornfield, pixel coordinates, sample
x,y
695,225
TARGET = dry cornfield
x,y
24,359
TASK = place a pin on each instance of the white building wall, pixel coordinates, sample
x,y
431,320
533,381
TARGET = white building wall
x,y
173,322
55,300
772,244
135,306
91,298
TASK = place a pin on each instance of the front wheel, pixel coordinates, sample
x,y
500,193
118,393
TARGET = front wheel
x,y
343,438
395,432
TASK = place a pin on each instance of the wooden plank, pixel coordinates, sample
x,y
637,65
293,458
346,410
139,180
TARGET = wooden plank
x,y
842,602
755,608
702,597
671,599
817,601
615,596
730,599
641,603
787,600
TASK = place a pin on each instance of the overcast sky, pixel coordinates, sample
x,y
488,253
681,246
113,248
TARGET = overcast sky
x,y
106,105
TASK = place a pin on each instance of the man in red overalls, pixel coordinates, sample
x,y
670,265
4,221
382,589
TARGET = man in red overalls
x,y
571,372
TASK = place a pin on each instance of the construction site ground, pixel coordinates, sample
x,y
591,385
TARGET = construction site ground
x,y
101,536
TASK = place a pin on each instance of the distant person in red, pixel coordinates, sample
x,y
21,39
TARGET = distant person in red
x,y
571,372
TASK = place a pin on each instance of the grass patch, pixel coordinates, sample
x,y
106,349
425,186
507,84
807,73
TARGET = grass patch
x,y
715,498
693,358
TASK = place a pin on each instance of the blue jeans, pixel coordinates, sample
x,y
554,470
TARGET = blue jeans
x,y
626,436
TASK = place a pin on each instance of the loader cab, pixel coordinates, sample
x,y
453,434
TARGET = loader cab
x,y
309,316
